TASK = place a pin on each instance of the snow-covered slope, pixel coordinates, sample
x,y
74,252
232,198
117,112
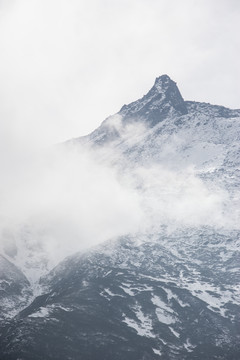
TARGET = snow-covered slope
x,y
146,297
15,290
163,137
177,134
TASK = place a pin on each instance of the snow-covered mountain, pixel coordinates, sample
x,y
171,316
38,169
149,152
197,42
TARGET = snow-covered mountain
x,y
170,290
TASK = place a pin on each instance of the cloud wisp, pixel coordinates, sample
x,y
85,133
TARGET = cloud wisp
x,y
68,198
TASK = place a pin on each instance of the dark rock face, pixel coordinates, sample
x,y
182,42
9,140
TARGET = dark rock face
x,y
154,107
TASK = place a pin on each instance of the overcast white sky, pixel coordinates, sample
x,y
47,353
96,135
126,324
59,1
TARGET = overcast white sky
x,y
67,65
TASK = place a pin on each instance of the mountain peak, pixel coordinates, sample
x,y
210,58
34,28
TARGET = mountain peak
x,y
153,107
162,82
166,86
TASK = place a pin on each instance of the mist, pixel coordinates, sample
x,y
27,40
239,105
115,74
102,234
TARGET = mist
x,y
68,198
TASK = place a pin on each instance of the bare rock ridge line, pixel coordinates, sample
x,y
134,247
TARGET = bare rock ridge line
x,y
163,100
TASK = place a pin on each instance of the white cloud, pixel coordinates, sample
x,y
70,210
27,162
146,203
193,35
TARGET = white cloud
x,y
62,200
178,198
67,201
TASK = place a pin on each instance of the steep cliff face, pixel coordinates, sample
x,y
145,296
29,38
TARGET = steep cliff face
x,y
170,290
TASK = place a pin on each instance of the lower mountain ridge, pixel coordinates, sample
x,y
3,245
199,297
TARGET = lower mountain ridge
x,y
170,296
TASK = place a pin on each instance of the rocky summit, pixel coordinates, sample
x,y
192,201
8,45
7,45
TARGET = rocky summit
x,y
167,291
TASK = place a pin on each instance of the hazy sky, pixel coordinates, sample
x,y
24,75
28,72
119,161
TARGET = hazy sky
x,y
67,65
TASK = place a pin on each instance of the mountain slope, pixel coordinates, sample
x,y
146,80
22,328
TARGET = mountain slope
x,y
15,289
137,298
171,289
